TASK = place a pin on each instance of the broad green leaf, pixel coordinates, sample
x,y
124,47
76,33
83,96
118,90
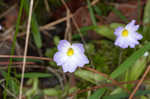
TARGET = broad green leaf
x,y
117,96
107,30
89,76
86,28
136,70
34,26
116,91
144,97
52,92
35,75
34,89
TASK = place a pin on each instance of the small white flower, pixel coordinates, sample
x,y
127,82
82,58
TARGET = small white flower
x,y
127,36
70,56
146,53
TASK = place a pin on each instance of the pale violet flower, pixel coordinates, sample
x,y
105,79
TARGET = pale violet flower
x,y
128,35
70,56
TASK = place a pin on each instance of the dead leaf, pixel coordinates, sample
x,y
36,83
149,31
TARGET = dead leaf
x,y
128,9
82,17
11,18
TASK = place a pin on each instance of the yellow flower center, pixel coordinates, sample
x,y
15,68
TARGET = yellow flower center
x,y
70,52
125,33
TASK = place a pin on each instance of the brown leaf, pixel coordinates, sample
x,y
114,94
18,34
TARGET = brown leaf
x,y
128,9
82,17
11,18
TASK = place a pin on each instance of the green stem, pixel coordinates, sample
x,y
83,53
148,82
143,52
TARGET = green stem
x,y
13,47
91,13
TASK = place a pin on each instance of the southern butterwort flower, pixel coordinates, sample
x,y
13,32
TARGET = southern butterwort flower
x,y
70,56
127,36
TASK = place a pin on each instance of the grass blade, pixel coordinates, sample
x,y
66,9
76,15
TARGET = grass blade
x,y
146,21
117,12
34,27
34,75
97,94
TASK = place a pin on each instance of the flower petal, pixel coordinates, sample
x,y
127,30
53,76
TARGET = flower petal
x,y
69,67
138,36
60,58
80,60
63,45
118,31
121,42
78,47
131,26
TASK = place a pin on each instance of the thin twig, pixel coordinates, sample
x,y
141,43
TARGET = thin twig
x,y
94,2
139,83
47,6
28,57
106,76
47,26
27,66
103,86
16,63
76,25
26,47
8,11
68,25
